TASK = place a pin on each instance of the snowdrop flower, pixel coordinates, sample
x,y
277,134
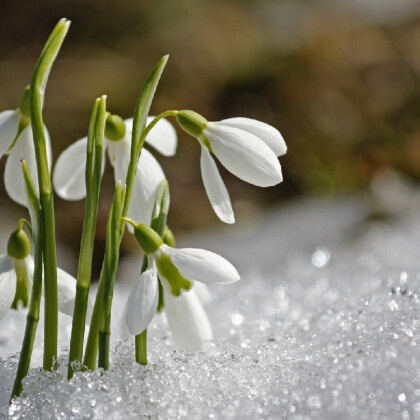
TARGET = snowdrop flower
x,y
16,275
247,148
69,171
177,269
16,139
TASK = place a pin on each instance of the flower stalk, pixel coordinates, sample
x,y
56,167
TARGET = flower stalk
x,y
93,175
36,99
35,303
110,270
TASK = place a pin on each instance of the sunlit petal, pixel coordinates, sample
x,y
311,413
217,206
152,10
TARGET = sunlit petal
x,y
188,321
201,265
203,293
148,177
66,288
69,172
7,283
162,137
9,124
215,188
142,302
267,133
13,175
119,155
244,154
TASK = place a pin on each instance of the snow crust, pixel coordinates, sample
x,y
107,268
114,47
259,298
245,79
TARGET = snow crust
x,y
323,325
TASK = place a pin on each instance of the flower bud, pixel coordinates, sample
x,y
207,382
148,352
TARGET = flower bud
x,y
114,128
147,238
191,122
19,245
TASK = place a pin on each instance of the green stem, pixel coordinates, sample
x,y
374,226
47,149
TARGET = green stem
x,y
34,307
92,344
92,179
50,283
113,240
141,348
103,357
36,99
139,121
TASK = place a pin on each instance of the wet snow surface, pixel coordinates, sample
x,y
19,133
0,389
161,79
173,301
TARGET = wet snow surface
x,y
323,325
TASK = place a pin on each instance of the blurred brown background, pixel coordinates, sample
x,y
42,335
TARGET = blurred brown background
x,y
338,78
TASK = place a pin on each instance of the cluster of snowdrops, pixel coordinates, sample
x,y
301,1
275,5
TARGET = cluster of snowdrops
x,y
28,271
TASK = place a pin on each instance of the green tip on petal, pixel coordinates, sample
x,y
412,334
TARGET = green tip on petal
x,y
191,122
19,245
170,272
114,127
21,295
148,240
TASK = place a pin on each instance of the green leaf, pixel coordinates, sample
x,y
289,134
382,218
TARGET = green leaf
x,y
144,102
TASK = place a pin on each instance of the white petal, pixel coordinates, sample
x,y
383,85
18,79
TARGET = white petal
x,y
49,150
69,171
203,293
267,133
142,302
244,154
66,288
30,266
9,124
7,283
188,321
148,177
201,265
215,188
13,175
162,136
119,156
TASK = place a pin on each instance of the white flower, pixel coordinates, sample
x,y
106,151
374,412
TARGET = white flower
x,y
11,122
188,321
247,148
69,171
9,267
178,269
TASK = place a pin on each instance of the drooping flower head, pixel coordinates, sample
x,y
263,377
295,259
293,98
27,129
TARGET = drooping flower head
x,y
177,269
16,139
69,171
16,278
247,148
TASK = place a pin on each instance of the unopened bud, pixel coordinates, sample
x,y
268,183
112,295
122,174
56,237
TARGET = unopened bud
x,y
19,245
114,128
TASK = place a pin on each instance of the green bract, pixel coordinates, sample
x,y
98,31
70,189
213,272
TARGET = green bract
x,y
114,127
146,237
19,245
191,122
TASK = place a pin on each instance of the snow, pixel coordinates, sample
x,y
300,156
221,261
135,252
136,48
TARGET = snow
x,y
323,324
